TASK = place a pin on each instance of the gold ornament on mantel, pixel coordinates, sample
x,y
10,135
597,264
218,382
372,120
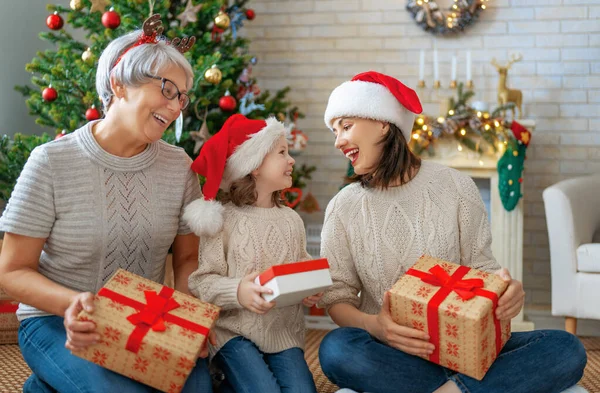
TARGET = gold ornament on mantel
x,y
506,95
76,5
222,20
213,75
87,56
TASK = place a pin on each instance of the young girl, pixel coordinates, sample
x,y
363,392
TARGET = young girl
x,y
258,347
398,209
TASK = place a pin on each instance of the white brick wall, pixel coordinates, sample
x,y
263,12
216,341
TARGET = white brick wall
x,y
312,46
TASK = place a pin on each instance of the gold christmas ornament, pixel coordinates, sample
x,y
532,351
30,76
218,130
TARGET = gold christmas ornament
x,y
99,5
213,75
222,20
87,56
75,5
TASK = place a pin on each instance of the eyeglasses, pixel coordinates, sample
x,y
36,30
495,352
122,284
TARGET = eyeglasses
x,y
170,91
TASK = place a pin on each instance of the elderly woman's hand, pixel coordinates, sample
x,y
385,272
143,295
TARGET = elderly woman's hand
x,y
80,334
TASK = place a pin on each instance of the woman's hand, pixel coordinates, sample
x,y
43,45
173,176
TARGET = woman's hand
x,y
310,301
80,334
409,340
512,300
213,341
249,295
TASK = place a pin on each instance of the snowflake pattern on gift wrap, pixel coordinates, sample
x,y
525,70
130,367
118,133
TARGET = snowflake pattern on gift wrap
x,y
448,267
457,298
85,318
452,311
189,306
161,353
142,286
185,363
482,274
180,374
424,292
484,365
452,349
187,333
417,308
211,313
122,279
452,365
99,357
174,388
451,330
418,325
484,324
112,334
484,345
116,305
141,365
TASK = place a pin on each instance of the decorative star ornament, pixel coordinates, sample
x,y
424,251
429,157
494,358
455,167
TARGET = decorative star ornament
x,y
99,5
189,15
200,137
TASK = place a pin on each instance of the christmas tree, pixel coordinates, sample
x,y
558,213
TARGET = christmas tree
x,y
66,97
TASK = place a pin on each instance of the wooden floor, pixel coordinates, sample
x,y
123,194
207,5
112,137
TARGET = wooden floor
x,y
14,371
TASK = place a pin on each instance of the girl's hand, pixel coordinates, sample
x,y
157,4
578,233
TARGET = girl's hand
x,y
512,300
249,295
310,301
80,334
409,340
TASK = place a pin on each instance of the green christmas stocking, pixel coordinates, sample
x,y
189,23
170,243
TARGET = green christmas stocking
x,y
510,167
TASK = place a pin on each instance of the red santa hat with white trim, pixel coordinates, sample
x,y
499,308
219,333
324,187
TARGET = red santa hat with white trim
x,y
232,153
375,96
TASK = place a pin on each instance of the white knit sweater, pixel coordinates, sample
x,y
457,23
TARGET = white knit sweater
x,y
252,240
372,236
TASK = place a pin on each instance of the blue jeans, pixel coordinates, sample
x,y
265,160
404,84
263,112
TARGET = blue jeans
x,y
543,361
248,370
42,342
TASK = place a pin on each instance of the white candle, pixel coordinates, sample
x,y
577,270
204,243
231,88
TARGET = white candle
x,y
469,76
453,67
436,70
422,65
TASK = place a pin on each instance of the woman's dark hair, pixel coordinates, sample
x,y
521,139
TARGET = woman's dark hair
x,y
243,192
397,162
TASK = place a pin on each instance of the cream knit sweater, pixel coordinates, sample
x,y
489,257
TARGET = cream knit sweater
x,y
252,240
372,236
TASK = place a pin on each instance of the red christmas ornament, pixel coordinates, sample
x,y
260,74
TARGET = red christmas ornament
x,y
111,19
49,94
227,103
250,14
92,114
55,21
58,136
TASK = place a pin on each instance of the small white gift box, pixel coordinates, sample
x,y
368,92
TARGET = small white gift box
x,y
292,282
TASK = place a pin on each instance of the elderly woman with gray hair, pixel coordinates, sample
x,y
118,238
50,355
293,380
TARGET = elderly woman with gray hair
x,y
109,195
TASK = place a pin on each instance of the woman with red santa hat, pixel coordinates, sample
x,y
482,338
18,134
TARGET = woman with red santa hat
x,y
398,209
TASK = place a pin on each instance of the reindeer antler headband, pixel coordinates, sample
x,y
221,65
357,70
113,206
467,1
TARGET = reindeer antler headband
x,y
151,29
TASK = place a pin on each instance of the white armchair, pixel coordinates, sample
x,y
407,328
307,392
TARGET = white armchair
x,y
573,218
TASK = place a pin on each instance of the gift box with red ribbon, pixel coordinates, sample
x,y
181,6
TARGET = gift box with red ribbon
x,y
292,282
149,332
455,305
9,324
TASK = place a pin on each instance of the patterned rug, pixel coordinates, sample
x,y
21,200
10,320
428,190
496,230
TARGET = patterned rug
x,y
14,371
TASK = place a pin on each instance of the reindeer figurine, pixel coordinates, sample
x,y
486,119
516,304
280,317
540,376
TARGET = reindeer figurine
x,y
506,95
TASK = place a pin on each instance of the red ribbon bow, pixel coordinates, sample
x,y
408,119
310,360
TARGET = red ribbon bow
x,y
153,314
463,288
466,289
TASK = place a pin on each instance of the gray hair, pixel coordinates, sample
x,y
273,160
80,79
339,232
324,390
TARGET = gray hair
x,y
136,64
